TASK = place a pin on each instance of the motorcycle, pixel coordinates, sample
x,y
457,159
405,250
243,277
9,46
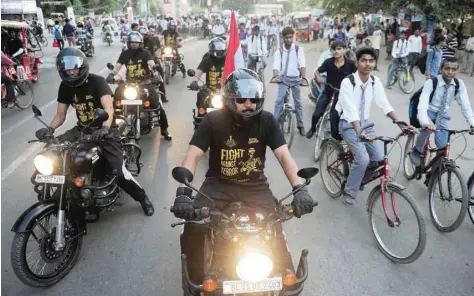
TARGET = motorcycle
x,y
73,188
108,38
171,62
240,243
363,38
86,46
135,109
212,102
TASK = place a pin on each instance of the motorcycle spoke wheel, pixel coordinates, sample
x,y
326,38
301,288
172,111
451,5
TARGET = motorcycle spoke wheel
x,y
24,94
39,264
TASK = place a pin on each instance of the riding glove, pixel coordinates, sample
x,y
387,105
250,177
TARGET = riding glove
x,y
194,86
44,132
183,204
302,202
110,78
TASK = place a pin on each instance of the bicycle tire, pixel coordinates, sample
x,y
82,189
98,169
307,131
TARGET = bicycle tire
x,y
406,158
318,143
289,133
394,80
470,188
464,205
374,195
411,79
24,86
320,139
345,167
43,41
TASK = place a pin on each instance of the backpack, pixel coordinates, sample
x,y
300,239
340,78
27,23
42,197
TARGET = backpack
x,y
415,100
57,33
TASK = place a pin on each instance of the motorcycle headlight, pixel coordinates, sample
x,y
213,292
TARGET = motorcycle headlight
x,y
254,267
216,101
168,50
130,93
44,164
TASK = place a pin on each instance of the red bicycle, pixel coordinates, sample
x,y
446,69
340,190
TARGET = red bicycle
x,y
386,198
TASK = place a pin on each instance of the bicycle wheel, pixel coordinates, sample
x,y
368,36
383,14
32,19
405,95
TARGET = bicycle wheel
x,y
394,78
470,187
262,77
413,241
333,169
321,136
287,125
24,94
456,205
406,81
43,41
408,166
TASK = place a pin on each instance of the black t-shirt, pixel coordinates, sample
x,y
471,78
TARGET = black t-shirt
x,y
171,38
336,75
152,44
237,153
213,68
136,63
85,98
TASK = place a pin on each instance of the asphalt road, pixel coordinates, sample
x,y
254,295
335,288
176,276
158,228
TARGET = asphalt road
x,y
126,253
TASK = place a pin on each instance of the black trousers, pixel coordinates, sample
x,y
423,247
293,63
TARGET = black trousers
x,y
255,194
334,115
152,97
161,84
112,152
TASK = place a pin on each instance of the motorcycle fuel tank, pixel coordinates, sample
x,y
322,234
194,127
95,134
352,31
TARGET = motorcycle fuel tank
x,y
87,158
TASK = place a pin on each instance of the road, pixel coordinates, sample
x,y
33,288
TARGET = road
x,y
126,253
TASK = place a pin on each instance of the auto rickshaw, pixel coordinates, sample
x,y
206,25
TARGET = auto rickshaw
x,y
26,56
303,31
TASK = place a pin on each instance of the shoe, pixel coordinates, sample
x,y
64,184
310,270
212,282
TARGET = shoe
x,y
310,133
348,200
388,87
11,105
147,206
166,135
302,131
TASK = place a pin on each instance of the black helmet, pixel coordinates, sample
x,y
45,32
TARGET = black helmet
x,y
70,59
80,25
171,25
217,48
134,37
243,83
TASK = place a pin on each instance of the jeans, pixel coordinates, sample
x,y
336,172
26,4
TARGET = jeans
x,y
395,64
252,63
441,138
364,152
294,83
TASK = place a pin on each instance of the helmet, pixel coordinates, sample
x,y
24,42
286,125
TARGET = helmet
x,y
70,59
172,23
134,37
143,30
243,83
80,25
217,48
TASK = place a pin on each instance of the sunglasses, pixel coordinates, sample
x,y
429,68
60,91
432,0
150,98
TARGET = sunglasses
x,y
242,100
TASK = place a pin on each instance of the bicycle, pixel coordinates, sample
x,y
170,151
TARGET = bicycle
x,y
271,45
323,128
287,119
434,168
406,79
260,68
338,171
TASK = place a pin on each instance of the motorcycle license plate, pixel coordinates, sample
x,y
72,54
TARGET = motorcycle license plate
x,y
132,102
50,179
239,287
211,109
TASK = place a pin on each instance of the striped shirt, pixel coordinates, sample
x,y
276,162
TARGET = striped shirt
x,y
449,49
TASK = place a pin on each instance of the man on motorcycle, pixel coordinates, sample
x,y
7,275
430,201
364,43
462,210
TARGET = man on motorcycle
x,y
170,37
151,42
106,30
213,65
139,64
218,29
237,136
84,36
87,92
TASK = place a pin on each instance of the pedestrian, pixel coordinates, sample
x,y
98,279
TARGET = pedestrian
x,y
449,48
414,49
424,41
58,35
316,27
289,64
434,57
68,31
468,64
376,43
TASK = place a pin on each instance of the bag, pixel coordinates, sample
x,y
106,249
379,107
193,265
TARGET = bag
x,y
55,43
415,100
422,62
57,34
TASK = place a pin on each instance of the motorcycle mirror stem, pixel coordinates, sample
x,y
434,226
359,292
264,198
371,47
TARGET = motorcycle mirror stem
x,y
306,183
186,182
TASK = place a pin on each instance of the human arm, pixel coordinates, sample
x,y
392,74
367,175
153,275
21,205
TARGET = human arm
x,y
107,103
463,100
381,100
276,63
394,49
302,63
424,103
429,59
60,117
322,69
198,75
288,164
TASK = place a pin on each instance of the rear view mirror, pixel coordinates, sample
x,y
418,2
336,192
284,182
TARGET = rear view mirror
x,y
308,173
36,111
110,66
182,175
191,73
100,115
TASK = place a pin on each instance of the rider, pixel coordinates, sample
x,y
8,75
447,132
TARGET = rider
x,y
87,92
139,64
399,54
237,136
151,42
106,29
170,37
256,45
218,29
213,65
83,35
354,105
327,54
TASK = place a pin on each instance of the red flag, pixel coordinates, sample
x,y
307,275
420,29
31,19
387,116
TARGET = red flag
x,y
234,58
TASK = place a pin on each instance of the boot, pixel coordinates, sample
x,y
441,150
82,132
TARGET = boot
x,y
147,206
166,135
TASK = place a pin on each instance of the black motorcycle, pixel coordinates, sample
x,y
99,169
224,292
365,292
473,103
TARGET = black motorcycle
x,y
86,46
212,101
73,188
239,248
171,61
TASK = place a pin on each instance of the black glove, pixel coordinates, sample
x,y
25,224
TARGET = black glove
x,y
110,78
302,202
99,134
44,132
183,204
194,85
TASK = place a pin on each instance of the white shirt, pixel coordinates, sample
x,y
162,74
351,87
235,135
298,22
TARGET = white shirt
x,y
400,48
258,46
414,44
296,61
350,98
164,24
470,44
376,39
218,29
